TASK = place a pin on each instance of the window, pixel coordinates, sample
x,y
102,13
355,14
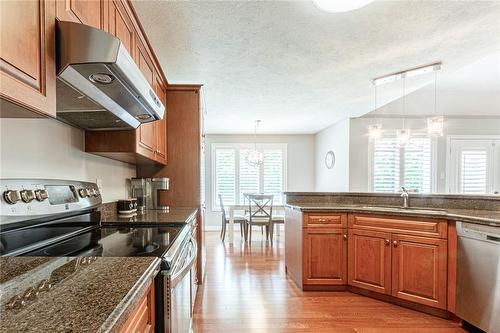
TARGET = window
x,y
233,176
410,166
473,164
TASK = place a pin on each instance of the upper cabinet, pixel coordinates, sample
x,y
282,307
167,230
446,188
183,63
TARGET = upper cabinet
x,y
28,68
120,23
27,57
89,12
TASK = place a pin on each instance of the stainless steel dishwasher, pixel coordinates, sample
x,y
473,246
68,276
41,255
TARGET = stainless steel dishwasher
x,y
478,275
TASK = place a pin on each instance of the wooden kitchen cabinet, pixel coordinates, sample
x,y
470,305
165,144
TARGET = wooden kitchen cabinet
x,y
161,125
120,24
142,319
89,12
369,260
419,269
27,58
325,256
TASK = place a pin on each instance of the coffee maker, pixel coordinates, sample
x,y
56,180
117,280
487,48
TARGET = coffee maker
x,y
149,192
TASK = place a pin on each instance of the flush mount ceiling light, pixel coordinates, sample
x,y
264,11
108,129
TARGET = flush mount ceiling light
x,y
340,6
406,74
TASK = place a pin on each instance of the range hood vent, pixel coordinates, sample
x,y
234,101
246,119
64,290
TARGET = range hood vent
x,y
99,86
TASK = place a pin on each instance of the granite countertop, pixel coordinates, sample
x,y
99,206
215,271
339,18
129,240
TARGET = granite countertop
x,y
485,217
173,215
66,294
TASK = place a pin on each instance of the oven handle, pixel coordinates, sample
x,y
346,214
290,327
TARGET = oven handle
x,y
177,277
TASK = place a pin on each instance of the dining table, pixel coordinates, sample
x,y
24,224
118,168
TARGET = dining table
x,y
242,207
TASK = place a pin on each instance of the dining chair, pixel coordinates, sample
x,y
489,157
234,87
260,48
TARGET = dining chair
x,y
225,220
260,213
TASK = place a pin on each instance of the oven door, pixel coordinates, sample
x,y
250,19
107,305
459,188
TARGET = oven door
x,y
179,298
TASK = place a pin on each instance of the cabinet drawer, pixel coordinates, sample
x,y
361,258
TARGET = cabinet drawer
x,y
142,318
325,220
400,224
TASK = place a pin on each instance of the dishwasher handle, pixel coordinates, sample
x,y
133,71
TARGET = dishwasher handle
x,y
479,232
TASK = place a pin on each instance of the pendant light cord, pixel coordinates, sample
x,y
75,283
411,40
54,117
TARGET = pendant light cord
x,y
435,93
404,101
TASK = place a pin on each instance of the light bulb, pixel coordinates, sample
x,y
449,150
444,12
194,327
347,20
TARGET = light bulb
x,y
340,6
403,136
374,131
435,126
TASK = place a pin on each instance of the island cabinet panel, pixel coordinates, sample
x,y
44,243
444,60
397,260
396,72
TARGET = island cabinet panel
x,y
318,220
419,270
89,12
369,260
142,318
325,256
413,226
27,57
293,240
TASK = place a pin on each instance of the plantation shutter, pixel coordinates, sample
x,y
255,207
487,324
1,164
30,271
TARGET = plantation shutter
x,y
225,175
417,165
249,176
473,171
273,173
386,164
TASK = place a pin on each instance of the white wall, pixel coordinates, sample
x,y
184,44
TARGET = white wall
x,y
335,138
358,177
47,148
300,165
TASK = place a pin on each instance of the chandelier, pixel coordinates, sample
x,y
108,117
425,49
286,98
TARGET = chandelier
x,y
255,157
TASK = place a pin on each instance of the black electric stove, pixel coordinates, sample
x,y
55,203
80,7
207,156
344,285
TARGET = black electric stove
x,y
64,220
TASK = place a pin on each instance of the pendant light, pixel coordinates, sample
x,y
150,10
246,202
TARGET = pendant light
x,y
435,124
375,130
403,134
255,158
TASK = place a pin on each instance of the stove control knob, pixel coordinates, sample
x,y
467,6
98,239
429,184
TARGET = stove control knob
x,y
27,195
41,195
97,193
91,192
83,192
11,197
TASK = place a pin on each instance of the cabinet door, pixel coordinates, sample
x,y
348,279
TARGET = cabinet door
x,y
88,12
325,256
120,24
161,125
147,135
27,61
419,267
370,260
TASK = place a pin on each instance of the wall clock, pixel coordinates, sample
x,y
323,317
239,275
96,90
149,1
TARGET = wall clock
x,y
330,159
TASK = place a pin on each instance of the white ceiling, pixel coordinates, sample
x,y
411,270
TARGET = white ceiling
x,y
300,69
471,91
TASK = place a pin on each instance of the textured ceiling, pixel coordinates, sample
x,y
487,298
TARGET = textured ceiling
x,y
300,69
471,91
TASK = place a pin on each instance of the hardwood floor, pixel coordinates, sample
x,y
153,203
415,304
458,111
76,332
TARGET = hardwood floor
x,y
246,290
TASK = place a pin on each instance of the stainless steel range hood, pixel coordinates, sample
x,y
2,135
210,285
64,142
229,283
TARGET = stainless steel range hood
x,y
99,86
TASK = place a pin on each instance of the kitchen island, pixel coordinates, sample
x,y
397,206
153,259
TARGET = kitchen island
x,y
67,294
368,244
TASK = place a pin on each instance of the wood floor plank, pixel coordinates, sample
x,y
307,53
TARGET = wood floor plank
x,y
246,290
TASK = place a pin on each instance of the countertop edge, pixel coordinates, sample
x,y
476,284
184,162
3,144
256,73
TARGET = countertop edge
x,y
116,318
444,214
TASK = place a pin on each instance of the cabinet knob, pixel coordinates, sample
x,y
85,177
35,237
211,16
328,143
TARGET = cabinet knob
x,y
395,243
387,242
345,236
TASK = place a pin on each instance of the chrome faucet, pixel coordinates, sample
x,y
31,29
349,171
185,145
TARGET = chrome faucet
x,y
405,196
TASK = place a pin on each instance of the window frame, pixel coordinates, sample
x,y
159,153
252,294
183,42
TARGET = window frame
x,y
452,162
238,146
371,151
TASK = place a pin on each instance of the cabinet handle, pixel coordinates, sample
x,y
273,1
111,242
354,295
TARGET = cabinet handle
x,y
395,243
345,236
322,220
387,242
